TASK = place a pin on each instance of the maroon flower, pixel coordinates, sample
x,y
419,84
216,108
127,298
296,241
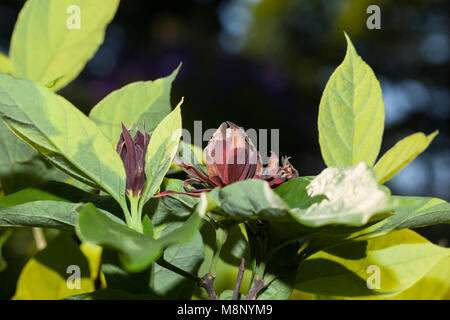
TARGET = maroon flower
x,y
230,156
133,151
275,174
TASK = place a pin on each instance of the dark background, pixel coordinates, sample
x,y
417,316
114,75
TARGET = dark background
x,y
264,64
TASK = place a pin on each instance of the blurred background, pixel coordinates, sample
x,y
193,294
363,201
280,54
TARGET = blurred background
x,y
264,64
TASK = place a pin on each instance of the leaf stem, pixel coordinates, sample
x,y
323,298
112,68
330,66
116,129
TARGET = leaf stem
x,y
221,237
165,264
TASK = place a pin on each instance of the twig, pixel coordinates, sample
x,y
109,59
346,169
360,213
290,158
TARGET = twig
x,y
258,285
240,275
207,282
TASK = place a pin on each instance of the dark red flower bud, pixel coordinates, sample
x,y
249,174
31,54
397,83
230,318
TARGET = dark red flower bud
x,y
133,151
231,156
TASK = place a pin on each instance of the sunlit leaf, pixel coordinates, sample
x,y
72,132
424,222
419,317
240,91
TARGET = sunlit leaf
x,y
47,43
404,151
137,103
161,150
402,259
62,133
434,286
5,64
351,114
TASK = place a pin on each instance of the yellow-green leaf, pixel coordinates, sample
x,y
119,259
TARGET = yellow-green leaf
x,y
62,133
161,150
135,103
46,275
56,38
401,154
434,286
399,260
351,114
5,63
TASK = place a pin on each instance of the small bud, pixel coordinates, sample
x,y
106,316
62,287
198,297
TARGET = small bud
x,y
133,151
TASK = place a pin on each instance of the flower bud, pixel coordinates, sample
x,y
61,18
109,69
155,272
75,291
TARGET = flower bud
x,y
231,156
132,152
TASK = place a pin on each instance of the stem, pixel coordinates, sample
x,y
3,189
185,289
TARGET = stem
x,y
240,275
39,238
163,263
136,222
126,212
258,285
221,237
207,282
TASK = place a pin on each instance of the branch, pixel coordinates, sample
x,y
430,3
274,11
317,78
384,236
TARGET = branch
x,y
240,275
258,285
207,282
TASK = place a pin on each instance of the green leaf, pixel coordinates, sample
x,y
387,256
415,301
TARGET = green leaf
x,y
404,151
5,64
46,275
46,214
295,194
20,165
62,133
403,258
57,191
351,114
280,274
188,257
353,196
138,250
43,47
417,212
4,236
161,151
137,103
173,206
250,199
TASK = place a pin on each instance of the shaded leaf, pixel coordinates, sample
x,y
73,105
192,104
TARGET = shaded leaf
x,y
250,199
188,257
417,212
138,250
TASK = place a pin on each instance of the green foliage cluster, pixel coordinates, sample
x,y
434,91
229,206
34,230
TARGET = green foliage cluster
x,y
309,238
